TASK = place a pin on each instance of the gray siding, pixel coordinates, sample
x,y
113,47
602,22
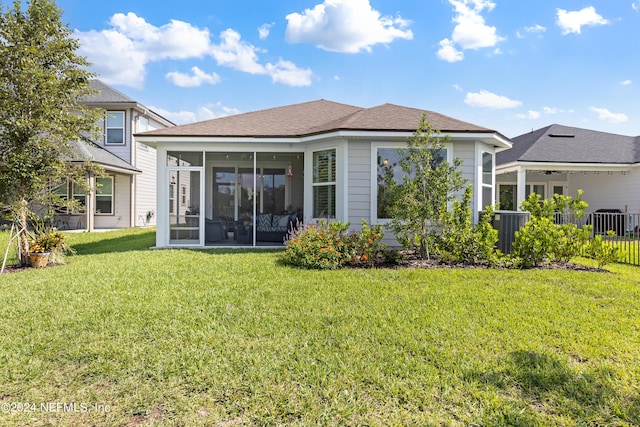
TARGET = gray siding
x,y
145,185
359,182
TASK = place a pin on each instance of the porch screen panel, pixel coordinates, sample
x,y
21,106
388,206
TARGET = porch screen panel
x,y
184,212
324,184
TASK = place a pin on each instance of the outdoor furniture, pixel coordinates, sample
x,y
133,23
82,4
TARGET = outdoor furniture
x,y
215,230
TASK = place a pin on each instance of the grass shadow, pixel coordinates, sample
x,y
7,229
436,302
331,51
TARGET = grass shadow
x,y
555,387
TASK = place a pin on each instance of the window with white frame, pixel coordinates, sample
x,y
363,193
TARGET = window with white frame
x,y
389,169
114,128
324,184
487,179
104,195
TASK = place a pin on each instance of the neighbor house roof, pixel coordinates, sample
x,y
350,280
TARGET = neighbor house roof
x,y
317,117
106,95
85,150
565,144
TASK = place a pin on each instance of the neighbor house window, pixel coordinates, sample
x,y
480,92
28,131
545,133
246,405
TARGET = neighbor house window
x,y
104,195
115,127
389,170
71,190
487,179
324,184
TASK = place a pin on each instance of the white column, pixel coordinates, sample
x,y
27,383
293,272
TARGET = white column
x,y
521,187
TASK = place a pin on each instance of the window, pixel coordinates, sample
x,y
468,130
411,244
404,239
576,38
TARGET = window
x,y
77,193
507,197
487,180
115,127
104,195
535,188
388,167
324,184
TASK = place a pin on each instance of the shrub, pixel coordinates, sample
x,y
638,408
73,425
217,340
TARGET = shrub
x,y
541,240
462,242
328,245
602,252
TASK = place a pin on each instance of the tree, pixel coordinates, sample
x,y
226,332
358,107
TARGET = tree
x,y
430,183
42,80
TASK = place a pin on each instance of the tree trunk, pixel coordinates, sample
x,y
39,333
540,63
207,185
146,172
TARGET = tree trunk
x,y
23,239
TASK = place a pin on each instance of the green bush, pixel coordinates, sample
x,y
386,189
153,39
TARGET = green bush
x,y
329,245
541,240
603,252
460,242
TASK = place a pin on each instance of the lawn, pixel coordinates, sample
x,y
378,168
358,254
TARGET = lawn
x,y
123,335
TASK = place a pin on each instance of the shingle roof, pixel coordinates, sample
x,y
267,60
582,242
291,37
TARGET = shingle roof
x,y
106,95
566,144
82,151
318,117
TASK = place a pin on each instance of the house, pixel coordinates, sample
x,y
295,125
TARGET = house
x,y
562,159
124,195
242,179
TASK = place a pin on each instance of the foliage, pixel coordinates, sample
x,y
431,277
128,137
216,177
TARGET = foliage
x,y
53,242
232,337
329,245
461,242
603,252
429,185
41,81
541,239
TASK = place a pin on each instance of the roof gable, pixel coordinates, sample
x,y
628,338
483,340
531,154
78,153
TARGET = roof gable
x,y
566,144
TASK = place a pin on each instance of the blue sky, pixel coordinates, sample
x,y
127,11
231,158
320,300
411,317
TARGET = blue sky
x,y
512,66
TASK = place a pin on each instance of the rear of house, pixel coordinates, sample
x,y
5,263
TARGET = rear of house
x,y
242,180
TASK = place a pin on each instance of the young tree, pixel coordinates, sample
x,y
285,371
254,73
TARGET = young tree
x,y
430,183
41,81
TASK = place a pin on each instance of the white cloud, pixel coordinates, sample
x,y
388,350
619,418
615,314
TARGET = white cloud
x,y
531,114
120,54
485,99
198,78
457,87
636,6
448,51
264,30
204,112
554,110
288,73
346,26
235,53
535,29
114,56
470,31
626,82
608,116
175,40
572,22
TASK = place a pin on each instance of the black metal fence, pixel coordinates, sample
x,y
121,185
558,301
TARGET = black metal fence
x,y
617,229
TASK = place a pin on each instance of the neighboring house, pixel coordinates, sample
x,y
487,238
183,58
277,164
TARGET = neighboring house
x,y
242,179
124,196
563,159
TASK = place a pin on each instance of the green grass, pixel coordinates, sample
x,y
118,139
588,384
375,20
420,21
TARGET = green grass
x,y
179,337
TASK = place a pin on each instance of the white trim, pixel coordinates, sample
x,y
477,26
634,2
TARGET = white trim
x,y
492,139
537,166
113,196
375,145
106,128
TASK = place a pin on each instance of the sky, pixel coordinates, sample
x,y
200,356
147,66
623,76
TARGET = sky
x,y
508,65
